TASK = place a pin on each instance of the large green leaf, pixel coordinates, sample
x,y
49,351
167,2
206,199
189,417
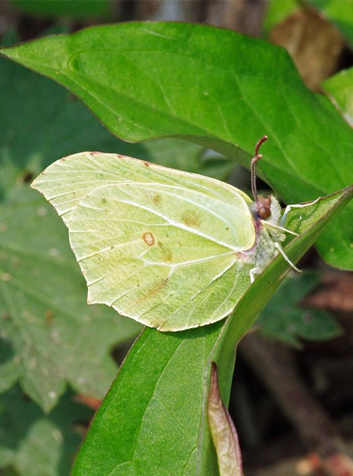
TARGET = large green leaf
x,y
54,336
153,420
214,87
40,122
33,444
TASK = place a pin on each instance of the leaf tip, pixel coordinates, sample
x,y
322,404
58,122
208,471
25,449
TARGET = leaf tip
x,y
223,432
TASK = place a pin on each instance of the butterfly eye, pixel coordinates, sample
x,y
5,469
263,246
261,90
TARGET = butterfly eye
x,y
263,207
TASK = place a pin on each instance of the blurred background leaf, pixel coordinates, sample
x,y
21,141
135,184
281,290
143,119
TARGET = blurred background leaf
x,y
67,8
285,320
54,336
32,444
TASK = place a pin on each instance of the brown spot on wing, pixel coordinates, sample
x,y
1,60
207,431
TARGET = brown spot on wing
x,y
191,219
163,283
148,238
157,199
166,254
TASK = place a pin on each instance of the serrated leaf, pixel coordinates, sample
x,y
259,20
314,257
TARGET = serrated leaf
x,y
140,88
54,337
153,421
284,319
33,444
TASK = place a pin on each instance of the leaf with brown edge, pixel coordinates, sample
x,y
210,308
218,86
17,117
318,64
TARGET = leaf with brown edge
x,y
223,432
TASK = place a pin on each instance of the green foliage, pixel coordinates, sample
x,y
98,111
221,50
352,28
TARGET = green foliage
x,y
211,87
41,122
61,339
32,444
284,319
67,8
242,88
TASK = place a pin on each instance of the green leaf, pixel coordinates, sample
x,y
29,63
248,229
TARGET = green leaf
x,y
140,87
9,370
339,88
284,319
33,444
60,126
153,420
55,338
67,8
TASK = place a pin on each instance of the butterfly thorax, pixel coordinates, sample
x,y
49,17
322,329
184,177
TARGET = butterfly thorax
x,y
266,213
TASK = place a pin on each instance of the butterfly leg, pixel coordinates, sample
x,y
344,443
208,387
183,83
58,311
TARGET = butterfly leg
x,y
280,249
254,272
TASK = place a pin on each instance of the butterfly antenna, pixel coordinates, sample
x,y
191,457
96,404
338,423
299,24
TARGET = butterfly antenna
x,y
254,160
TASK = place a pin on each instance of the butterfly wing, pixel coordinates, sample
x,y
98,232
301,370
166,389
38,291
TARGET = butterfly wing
x,y
158,245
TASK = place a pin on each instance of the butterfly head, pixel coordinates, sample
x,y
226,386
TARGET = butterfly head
x,y
263,207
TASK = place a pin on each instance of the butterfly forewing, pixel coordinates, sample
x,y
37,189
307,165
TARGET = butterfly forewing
x,y
161,246
67,181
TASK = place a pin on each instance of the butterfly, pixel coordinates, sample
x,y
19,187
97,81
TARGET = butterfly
x,y
170,249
